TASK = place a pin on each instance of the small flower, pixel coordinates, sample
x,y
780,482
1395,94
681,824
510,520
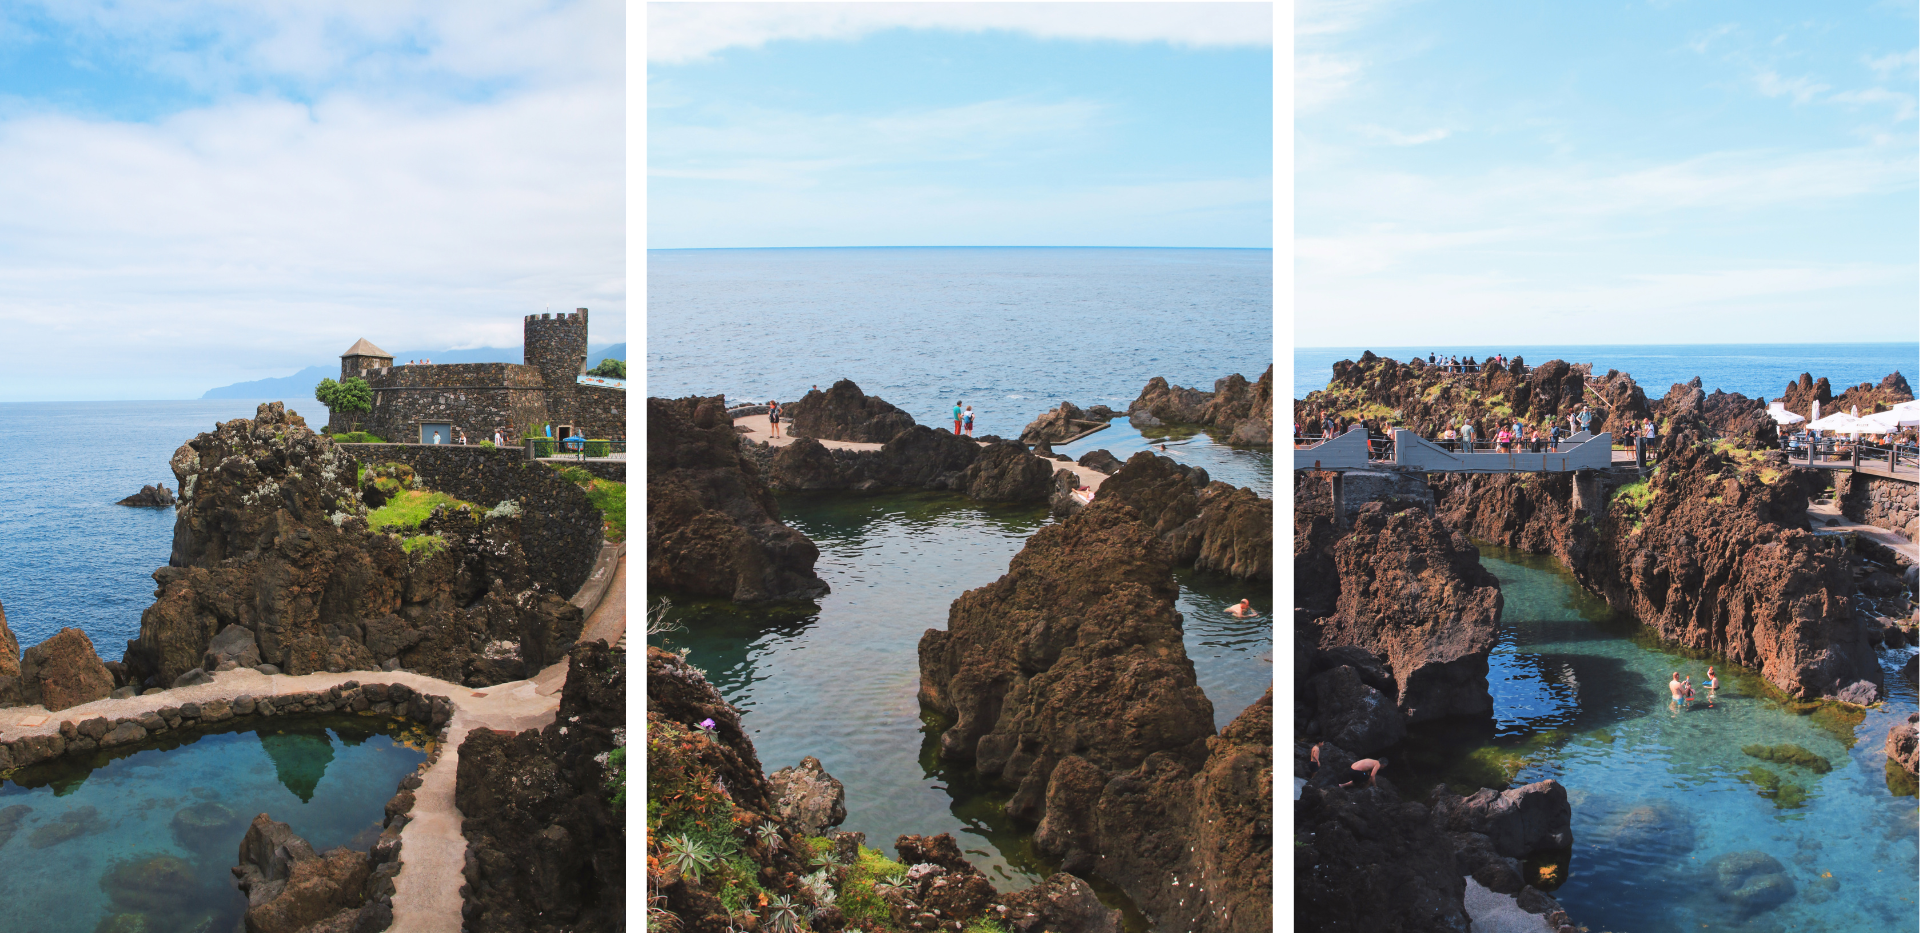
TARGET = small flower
x,y
706,725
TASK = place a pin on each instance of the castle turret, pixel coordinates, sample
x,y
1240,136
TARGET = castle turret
x,y
362,356
556,344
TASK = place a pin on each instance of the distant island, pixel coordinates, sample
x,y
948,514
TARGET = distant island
x,y
301,384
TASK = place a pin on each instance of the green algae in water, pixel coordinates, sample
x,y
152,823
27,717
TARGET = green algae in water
x,y
142,839
1790,754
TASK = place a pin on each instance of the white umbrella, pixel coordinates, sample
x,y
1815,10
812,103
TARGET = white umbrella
x,y
1884,422
1838,422
1781,415
1816,409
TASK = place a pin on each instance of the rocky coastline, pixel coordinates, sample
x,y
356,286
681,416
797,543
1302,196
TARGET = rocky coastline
x,y
1242,410
1206,524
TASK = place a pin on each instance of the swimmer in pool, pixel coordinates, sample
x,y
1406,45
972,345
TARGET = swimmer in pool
x,y
1713,682
1243,609
1675,686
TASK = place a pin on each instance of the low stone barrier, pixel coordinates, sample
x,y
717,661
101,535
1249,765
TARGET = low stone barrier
x,y
1892,504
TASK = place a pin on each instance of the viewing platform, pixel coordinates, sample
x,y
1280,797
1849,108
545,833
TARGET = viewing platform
x,y
1407,450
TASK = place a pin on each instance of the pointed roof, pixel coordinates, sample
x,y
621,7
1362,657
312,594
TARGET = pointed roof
x,y
363,348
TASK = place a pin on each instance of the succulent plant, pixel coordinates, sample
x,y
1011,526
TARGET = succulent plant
x,y
768,833
688,856
783,915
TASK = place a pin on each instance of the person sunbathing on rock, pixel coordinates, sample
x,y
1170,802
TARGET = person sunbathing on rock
x,y
1243,609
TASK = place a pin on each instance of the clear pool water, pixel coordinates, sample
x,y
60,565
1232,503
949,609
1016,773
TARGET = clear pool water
x,y
1661,790
156,832
841,684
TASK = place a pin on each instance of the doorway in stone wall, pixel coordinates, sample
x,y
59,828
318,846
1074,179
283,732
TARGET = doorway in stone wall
x,y
436,432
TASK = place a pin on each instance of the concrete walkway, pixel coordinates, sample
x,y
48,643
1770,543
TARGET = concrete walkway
x,y
1819,515
760,432
433,851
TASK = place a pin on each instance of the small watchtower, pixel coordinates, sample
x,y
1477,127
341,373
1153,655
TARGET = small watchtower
x,y
362,356
556,344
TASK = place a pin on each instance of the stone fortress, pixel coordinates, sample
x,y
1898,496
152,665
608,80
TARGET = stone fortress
x,y
414,404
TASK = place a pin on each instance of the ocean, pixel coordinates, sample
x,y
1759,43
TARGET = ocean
x,y
1756,370
1012,332
70,557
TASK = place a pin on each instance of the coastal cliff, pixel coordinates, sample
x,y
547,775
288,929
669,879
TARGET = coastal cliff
x,y
713,528
1712,551
1067,680
729,849
1243,410
1427,399
272,553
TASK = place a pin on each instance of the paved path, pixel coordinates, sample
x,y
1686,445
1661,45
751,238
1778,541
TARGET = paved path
x,y
760,432
1818,516
433,851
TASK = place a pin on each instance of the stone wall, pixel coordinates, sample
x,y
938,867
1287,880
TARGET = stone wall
x,y
1879,501
560,530
556,345
615,470
597,411
473,397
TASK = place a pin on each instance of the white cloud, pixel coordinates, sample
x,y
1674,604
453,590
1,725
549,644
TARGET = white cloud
x,y
254,235
1801,89
1320,79
1887,66
683,32
1398,138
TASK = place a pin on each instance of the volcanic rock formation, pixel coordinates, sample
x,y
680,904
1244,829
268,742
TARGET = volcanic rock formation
x,y
844,413
1243,410
271,536
1427,399
1903,745
1802,393
292,889
1365,859
1058,424
156,496
1210,525
10,692
1067,679
713,528
695,743
1412,592
1712,555
546,849
64,671
916,458
1687,407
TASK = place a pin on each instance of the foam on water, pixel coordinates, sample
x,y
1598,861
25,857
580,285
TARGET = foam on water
x,y
1662,789
157,831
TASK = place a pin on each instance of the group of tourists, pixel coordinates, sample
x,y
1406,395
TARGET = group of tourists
x,y
1682,688
1459,364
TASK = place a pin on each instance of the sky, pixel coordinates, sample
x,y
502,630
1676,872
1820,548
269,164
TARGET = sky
x,y
208,191
1622,172
984,124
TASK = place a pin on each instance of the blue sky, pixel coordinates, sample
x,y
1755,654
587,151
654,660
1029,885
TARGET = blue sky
x,y
1624,172
959,124
208,191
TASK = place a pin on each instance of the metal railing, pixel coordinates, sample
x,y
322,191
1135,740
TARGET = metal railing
x,y
590,449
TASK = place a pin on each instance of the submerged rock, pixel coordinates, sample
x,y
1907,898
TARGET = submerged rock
x,y
1752,881
10,818
1788,754
161,884
64,671
1655,828
205,825
290,888
713,528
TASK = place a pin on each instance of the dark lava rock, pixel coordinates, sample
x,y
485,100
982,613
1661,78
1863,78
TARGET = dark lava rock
x,y
11,693
63,672
192,678
1100,460
844,413
1060,904
1007,473
290,888
1055,426
1211,525
546,848
1364,859
1412,592
1903,748
808,798
713,528
153,497
1243,410
233,648
1475,855
270,536
1354,715
10,818
1519,822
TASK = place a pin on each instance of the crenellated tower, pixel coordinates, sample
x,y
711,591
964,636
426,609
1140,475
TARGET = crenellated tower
x,y
556,344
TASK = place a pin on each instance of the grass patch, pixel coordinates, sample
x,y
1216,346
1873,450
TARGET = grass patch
x,y
409,507
423,545
1636,495
359,437
858,898
607,496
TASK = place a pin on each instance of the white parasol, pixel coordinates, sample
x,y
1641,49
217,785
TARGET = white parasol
x,y
1781,415
1838,422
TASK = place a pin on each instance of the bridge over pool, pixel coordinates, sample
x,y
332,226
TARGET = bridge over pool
x,y
1407,450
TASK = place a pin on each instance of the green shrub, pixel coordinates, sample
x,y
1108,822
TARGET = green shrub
x,y
409,507
423,545
860,898
359,437
351,394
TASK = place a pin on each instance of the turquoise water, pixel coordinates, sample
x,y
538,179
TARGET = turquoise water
x,y
157,831
1580,696
840,684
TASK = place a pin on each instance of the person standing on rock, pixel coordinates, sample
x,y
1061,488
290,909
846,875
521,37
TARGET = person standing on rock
x,y
773,417
969,421
956,417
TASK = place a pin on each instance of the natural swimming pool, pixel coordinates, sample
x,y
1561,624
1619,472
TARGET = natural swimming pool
x,y
146,840
1676,827
840,684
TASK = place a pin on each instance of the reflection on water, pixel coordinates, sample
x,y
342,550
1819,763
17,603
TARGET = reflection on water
x,y
841,683
145,839
1241,466
1676,827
